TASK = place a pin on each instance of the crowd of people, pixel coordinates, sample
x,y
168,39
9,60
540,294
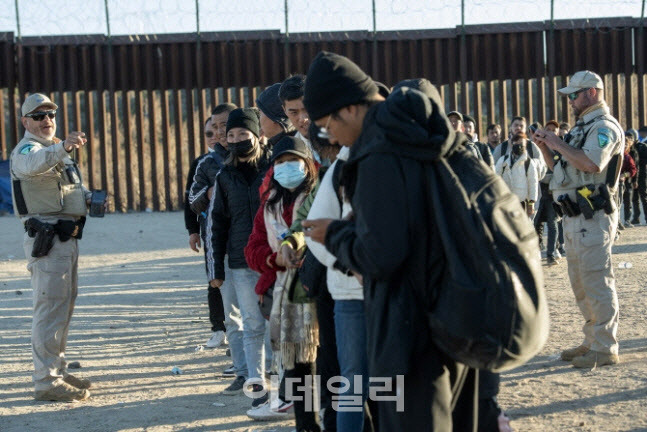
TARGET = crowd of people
x,y
326,335
321,252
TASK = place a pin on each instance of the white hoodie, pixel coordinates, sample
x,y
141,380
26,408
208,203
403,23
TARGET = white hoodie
x,y
326,205
523,184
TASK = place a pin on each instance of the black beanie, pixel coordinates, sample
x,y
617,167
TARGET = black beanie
x,y
270,103
245,118
333,82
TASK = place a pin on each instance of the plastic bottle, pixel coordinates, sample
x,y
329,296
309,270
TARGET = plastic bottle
x,y
282,232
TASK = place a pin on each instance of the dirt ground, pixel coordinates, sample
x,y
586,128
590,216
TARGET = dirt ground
x,y
142,310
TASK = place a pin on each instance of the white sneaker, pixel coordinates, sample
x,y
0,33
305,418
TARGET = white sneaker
x,y
217,339
504,423
272,411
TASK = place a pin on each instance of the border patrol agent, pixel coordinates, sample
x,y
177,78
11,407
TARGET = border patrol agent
x,y
50,200
585,167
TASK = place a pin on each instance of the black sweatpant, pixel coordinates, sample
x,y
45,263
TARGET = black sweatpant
x,y
216,309
327,364
214,296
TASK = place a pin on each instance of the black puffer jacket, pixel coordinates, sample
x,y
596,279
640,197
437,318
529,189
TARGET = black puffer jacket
x,y
392,240
231,217
205,174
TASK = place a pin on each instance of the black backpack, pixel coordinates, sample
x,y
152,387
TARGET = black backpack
x,y
526,163
529,148
490,311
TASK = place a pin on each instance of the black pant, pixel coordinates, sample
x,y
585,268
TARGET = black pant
x,y
214,296
327,363
440,395
489,409
216,309
307,419
626,198
546,213
640,195
619,195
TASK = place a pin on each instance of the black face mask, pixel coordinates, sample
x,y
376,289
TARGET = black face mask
x,y
518,149
241,148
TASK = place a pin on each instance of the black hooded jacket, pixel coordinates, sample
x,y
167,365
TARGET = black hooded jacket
x,y
392,240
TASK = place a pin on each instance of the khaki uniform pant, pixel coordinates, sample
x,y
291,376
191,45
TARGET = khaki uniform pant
x,y
588,252
55,286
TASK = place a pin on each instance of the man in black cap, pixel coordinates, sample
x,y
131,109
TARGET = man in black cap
x,y
470,130
274,122
391,240
456,120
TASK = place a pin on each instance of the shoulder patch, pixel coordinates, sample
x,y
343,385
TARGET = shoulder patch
x,y
26,149
605,136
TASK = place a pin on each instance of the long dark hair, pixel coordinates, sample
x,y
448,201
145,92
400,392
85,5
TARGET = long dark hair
x,y
287,197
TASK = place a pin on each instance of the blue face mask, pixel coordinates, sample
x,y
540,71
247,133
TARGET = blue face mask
x,y
290,174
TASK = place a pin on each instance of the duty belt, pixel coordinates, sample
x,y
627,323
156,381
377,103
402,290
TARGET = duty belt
x,y
586,202
65,229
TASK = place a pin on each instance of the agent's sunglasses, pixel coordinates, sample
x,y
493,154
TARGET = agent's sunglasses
x,y
40,115
574,95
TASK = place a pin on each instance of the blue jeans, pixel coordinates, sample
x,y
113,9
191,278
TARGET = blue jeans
x,y
350,330
233,325
551,221
238,289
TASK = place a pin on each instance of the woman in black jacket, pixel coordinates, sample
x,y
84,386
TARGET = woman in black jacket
x,y
231,215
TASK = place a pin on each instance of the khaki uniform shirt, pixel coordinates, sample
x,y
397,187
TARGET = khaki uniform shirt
x,y
42,168
600,136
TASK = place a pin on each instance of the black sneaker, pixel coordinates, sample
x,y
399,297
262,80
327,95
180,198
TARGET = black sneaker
x,y
230,371
235,387
628,224
551,261
635,222
259,400
561,250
